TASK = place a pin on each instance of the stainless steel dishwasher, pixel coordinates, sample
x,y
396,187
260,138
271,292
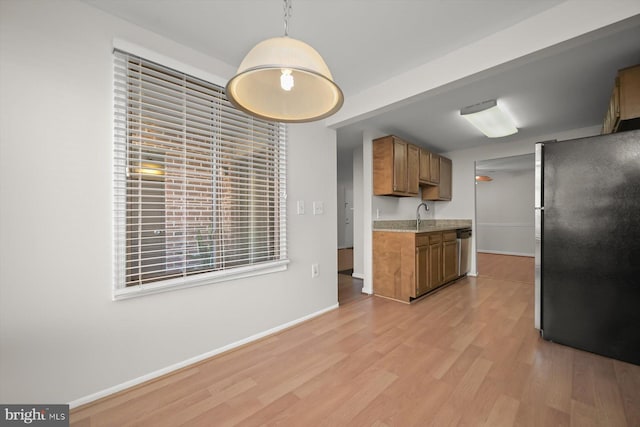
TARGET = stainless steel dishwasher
x,y
464,250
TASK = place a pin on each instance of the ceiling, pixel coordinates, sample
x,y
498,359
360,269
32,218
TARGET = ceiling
x,y
562,88
366,42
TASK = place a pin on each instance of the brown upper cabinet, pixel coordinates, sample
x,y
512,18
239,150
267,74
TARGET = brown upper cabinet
x,y
429,168
624,104
435,168
401,169
443,190
396,165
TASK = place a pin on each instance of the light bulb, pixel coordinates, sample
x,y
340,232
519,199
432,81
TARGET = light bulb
x,y
286,79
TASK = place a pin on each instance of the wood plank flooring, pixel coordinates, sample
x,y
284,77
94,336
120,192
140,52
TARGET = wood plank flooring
x,y
349,289
507,267
467,355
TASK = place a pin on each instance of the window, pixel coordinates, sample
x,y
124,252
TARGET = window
x,y
199,186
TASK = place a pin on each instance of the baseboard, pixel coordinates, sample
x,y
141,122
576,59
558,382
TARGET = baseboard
x,y
169,369
357,275
505,253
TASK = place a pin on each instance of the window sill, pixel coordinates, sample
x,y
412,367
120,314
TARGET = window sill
x,y
199,280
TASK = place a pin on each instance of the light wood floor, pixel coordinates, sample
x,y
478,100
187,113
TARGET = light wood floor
x,y
507,267
465,356
349,289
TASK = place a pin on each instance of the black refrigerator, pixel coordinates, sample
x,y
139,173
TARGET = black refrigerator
x,y
588,244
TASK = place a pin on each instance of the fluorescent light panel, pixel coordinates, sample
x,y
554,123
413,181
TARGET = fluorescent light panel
x,y
489,119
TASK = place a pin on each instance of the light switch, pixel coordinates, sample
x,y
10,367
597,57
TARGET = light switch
x,y
300,207
318,208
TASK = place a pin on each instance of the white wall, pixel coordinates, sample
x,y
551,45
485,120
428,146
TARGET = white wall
x,y
390,207
504,213
62,337
463,203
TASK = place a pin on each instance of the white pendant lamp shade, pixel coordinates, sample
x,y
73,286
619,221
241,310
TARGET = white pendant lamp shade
x,y
285,80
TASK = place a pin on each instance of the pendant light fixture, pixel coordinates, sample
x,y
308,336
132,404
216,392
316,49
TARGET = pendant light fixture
x,y
285,80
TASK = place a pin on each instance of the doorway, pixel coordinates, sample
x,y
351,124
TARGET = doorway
x,y
349,287
504,213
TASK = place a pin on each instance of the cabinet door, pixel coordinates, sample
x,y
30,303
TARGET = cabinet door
x,y
435,168
450,259
425,166
399,166
445,178
413,169
628,102
435,264
615,106
422,269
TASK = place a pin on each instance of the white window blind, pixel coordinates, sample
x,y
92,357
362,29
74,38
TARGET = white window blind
x,y
199,186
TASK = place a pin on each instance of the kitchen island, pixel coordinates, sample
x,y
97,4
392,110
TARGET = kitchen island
x,y
411,259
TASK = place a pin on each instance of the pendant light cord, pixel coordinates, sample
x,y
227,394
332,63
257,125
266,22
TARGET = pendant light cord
x,y
287,15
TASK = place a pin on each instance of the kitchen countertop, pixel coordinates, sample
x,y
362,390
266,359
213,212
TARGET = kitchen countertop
x,y
426,225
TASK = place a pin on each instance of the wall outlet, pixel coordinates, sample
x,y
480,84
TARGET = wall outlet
x,y
318,208
315,272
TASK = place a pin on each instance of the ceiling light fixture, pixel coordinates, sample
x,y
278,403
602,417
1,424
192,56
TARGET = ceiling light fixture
x,y
483,178
285,80
489,119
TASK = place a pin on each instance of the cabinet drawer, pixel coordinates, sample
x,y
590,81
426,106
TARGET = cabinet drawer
x,y
422,239
430,238
449,236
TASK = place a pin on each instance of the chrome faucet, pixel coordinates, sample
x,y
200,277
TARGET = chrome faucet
x,y
426,208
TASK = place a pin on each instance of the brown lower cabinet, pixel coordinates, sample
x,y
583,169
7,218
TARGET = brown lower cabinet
x,y
408,265
449,256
